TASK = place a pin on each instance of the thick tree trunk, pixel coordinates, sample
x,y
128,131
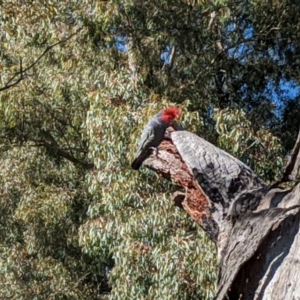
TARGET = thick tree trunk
x,y
255,227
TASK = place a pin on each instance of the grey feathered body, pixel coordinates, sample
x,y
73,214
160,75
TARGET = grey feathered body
x,y
152,135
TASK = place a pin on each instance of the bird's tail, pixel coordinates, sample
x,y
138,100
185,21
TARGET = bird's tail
x,y
136,164
139,159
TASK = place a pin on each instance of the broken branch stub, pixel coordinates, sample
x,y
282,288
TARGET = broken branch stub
x,y
238,211
190,197
210,178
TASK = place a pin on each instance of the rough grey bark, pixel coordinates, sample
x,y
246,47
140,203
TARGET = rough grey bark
x,y
255,227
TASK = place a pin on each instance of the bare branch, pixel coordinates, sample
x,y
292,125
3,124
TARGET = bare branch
x,y
211,20
172,57
19,76
64,154
209,179
169,164
21,67
49,142
291,169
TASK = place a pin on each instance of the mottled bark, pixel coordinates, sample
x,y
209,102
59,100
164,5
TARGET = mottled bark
x,y
255,227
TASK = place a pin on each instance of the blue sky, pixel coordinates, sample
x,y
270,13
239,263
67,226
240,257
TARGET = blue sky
x,y
280,94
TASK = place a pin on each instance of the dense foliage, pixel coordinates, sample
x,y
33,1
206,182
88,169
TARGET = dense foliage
x,y
79,79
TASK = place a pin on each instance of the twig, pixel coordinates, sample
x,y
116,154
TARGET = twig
x,y
172,57
21,72
211,20
21,67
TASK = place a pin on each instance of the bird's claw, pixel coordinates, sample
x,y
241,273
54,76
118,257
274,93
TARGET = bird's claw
x,y
155,150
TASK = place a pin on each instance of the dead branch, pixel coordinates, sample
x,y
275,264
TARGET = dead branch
x,y
291,170
209,180
169,164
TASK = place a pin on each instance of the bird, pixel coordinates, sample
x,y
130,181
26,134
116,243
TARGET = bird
x,y
153,134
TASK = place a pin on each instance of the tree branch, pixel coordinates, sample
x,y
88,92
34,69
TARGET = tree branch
x,y
21,73
50,143
64,154
170,165
292,167
210,181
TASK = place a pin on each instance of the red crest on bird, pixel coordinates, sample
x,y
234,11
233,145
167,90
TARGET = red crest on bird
x,y
171,113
